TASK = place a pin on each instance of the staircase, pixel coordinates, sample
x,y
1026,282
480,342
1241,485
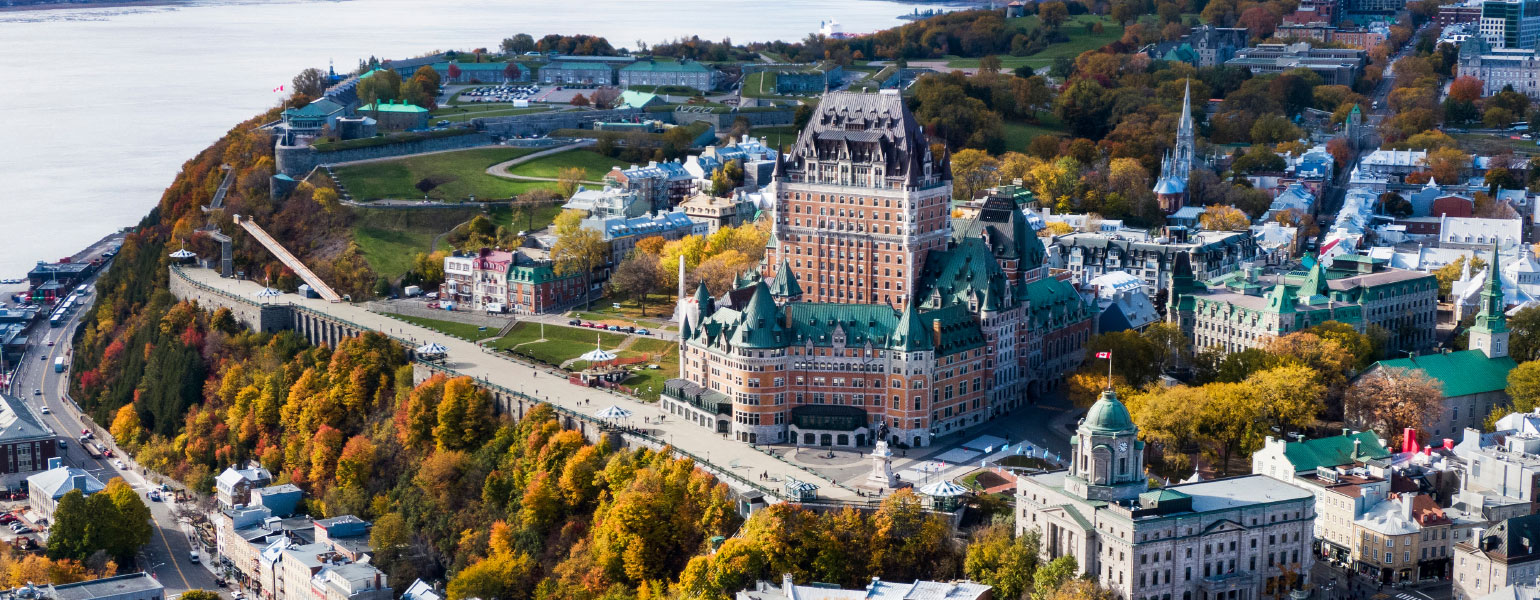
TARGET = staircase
x,y
288,259
224,188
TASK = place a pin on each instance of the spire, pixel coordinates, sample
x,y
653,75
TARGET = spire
x,y
1491,316
910,334
785,285
703,300
1186,123
1315,283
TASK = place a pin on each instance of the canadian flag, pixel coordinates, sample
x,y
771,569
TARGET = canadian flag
x,y
278,89
1103,355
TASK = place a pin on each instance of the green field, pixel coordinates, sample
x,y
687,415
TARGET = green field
x,y
1080,41
459,330
389,238
1020,133
595,165
1486,143
762,85
527,332
458,114
779,136
456,176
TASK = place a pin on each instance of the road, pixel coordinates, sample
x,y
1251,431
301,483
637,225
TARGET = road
x,y
167,555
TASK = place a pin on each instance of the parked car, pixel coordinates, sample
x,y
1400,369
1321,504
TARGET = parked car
x,y
37,391
86,433
643,332
154,496
23,530
630,329
8,518
45,409
193,556
613,328
575,322
119,464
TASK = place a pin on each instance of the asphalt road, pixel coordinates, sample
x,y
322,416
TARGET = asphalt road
x,y
168,554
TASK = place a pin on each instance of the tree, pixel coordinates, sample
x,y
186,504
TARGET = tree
x,y
1084,108
1466,89
580,100
72,523
131,521
1523,388
996,557
464,416
989,64
1524,334
578,250
126,428
200,595
429,77
1272,129
1053,13
636,277
1224,218
973,171
1391,399
310,82
518,44
718,272
568,179
1447,164
1049,577
1447,274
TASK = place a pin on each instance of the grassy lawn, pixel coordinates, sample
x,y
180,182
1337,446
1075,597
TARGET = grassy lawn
x,y
458,114
1080,40
1020,133
1486,143
389,238
659,307
527,332
534,220
454,175
779,136
460,330
595,165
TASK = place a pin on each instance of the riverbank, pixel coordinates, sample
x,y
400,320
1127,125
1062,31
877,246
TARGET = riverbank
x,y
87,4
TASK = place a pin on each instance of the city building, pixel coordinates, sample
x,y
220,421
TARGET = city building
x,y
1501,472
1515,592
1245,311
608,202
1375,6
812,79
130,586
1456,14
717,213
45,489
623,233
311,118
1476,233
659,185
420,590
883,317
1171,187
520,281
1519,278
579,72
26,444
1513,24
1474,381
876,590
480,72
682,73
1287,461
1205,46
1241,538
1508,553
1210,254
395,116
1122,303
1336,66
233,486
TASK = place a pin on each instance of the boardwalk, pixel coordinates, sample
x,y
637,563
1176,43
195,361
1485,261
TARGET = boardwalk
x,y
467,358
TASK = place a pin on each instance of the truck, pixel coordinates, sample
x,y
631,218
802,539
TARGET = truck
x,y
412,291
58,365
91,450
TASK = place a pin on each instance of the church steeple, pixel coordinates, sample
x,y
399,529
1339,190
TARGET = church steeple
x,y
1182,155
1490,333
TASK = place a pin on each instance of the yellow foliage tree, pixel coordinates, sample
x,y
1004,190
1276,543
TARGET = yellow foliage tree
x,y
1224,218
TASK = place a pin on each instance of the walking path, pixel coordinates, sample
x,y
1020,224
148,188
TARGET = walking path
x,y
467,358
502,169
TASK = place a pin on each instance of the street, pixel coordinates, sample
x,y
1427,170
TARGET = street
x,y
167,556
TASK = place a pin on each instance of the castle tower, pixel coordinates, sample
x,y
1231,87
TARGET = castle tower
x,y
1490,333
1109,458
1179,301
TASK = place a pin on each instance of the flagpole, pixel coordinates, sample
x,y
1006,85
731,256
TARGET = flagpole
x,y
1109,370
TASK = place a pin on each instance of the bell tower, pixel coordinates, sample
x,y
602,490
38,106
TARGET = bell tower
x,y
1109,458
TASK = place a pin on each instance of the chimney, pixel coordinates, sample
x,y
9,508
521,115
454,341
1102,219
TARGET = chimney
x,y
1406,505
55,462
1357,447
79,482
935,327
1346,432
786,585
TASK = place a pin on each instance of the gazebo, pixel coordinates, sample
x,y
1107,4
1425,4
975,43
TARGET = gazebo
x,y
612,412
267,294
598,354
944,494
432,351
183,254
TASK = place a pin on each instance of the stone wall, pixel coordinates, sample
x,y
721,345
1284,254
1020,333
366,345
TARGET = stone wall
x,y
546,122
724,121
297,161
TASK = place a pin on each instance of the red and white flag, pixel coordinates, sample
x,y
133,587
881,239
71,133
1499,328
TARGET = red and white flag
x,y
278,89
1103,355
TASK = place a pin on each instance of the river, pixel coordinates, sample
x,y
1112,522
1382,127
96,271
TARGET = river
x,y
99,107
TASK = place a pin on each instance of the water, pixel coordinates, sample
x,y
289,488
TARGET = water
x,y
100,107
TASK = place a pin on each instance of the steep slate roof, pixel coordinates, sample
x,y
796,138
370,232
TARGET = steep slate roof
x,y
1053,301
785,285
875,127
1463,373
762,324
1333,451
1516,539
1004,229
965,275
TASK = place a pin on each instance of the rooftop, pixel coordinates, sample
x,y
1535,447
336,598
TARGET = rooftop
x,y
132,583
1462,373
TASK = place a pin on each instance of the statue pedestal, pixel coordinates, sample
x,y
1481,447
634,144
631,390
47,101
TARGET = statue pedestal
x,y
882,467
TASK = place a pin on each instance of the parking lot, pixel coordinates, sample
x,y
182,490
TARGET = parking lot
x,y
498,93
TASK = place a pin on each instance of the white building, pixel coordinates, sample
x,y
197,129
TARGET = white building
x,y
1479,233
45,489
1240,538
876,590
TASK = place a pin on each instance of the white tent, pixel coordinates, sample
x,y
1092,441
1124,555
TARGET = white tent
x,y
598,354
943,489
432,349
183,254
267,293
612,412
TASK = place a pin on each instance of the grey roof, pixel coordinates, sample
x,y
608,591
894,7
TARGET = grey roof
x,y
17,422
122,585
843,119
1235,492
58,482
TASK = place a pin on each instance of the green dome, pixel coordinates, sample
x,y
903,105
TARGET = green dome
x,y
1108,415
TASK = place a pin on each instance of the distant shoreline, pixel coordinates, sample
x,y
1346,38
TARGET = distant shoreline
x,y
89,4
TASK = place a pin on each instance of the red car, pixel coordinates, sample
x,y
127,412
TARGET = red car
x,y
7,518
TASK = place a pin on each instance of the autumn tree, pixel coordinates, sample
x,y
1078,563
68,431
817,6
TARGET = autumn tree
x,y
578,250
464,416
1047,579
1447,164
972,172
720,271
997,557
1466,89
1224,218
310,82
568,179
636,277
125,428
1391,399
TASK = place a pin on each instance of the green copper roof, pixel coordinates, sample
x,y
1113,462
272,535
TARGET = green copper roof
x,y
1053,303
785,285
1108,415
577,66
910,334
1333,451
965,275
668,66
392,107
1463,373
1491,317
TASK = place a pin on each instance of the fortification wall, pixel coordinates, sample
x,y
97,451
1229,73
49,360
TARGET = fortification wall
x,y
724,121
546,122
297,161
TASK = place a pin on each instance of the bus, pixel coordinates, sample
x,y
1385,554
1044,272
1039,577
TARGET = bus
x,y
58,365
91,450
56,320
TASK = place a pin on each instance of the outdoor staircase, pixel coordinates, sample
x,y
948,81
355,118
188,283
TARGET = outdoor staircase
x,y
288,259
224,188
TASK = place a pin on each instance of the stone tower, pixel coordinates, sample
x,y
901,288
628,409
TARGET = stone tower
x,y
1490,333
1109,458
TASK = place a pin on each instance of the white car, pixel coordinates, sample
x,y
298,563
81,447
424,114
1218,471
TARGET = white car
x,y
118,464
45,409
